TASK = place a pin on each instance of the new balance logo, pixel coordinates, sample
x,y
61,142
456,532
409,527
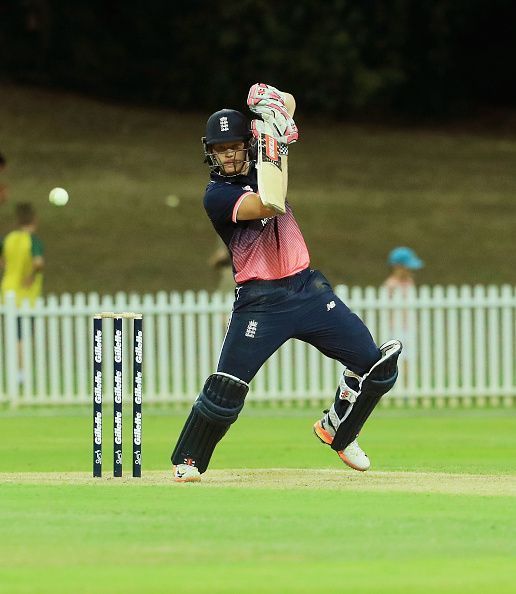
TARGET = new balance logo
x,y
224,124
251,329
330,305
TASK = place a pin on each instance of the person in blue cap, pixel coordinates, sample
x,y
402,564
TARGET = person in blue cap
x,y
404,263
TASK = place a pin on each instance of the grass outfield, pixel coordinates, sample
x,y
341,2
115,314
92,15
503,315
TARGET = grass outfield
x,y
357,191
276,513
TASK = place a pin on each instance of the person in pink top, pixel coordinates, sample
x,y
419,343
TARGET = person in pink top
x,y
277,297
404,263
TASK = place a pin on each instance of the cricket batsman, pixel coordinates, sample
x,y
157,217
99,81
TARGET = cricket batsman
x,y
277,296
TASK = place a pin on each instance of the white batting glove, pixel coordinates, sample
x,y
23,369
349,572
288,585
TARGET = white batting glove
x,y
285,129
260,91
268,103
288,137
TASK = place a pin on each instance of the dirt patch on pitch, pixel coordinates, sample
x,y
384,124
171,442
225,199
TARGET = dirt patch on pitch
x,y
414,482
288,478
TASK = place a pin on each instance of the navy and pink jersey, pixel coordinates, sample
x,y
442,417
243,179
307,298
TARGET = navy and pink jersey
x,y
264,249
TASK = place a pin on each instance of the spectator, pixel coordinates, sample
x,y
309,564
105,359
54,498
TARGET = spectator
x,y
21,253
404,263
21,257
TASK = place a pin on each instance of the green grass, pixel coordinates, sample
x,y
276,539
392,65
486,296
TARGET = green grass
x,y
357,191
94,539
108,536
474,441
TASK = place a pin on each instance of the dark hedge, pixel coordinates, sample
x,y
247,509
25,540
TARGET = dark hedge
x,y
424,57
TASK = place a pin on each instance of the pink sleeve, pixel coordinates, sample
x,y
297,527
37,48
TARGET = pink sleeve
x,y
237,206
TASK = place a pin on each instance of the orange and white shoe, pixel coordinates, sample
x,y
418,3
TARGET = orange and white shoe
x,y
185,473
352,455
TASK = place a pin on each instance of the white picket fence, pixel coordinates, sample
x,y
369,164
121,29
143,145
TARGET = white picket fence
x,y
460,345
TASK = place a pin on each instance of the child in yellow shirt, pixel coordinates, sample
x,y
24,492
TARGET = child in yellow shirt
x,y
21,254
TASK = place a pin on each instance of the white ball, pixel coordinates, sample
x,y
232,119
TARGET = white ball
x,y
58,196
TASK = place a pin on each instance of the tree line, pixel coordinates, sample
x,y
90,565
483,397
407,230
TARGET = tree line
x,y
340,57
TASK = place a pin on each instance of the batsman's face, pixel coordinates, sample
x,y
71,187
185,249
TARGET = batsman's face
x,y
231,156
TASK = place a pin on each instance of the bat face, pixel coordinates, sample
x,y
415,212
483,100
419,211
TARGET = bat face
x,y
270,172
272,165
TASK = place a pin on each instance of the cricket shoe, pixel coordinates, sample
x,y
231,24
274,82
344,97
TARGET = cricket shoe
x,y
186,473
352,455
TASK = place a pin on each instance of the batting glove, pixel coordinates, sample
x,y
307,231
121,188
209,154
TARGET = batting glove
x,y
268,102
288,137
260,91
285,129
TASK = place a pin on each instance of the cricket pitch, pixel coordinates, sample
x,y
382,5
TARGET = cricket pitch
x,y
281,479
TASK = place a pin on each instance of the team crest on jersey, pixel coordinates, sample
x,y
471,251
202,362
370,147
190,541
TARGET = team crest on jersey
x,y
224,124
247,188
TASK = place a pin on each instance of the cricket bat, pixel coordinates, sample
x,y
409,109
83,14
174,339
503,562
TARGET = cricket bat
x,y
272,165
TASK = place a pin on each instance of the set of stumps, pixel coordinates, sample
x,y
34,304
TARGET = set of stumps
x,y
137,356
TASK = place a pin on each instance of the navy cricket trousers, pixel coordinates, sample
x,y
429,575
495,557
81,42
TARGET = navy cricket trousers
x,y
303,306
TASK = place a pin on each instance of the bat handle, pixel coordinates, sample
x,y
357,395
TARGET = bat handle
x,y
290,102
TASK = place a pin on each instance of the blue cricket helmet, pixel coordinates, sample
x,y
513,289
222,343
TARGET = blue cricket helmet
x,y
227,125
223,126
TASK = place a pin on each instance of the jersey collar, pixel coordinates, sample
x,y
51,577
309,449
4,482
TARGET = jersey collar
x,y
250,178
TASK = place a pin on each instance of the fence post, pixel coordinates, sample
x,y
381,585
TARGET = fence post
x,y
508,327
11,347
